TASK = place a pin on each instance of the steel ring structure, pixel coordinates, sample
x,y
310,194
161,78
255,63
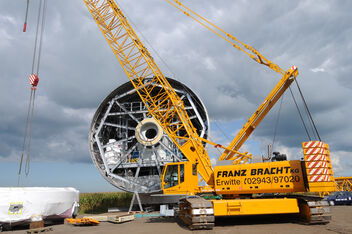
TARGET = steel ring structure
x,y
128,147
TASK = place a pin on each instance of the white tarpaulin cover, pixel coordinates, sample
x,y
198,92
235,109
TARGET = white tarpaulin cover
x,y
25,204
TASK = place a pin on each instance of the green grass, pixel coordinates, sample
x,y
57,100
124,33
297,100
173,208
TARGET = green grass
x,y
100,202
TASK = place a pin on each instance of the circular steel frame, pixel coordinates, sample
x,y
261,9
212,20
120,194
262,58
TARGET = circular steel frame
x,y
125,161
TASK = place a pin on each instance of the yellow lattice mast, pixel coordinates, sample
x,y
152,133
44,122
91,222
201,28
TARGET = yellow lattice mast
x,y
165,105
271,99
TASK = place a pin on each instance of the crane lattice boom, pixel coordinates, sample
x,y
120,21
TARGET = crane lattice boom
x,y
285,82
164,105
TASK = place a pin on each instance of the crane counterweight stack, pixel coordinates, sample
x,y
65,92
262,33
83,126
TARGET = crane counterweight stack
x,y
318,166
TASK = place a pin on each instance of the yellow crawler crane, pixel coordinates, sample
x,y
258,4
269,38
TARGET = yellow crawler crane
x,y
235,185
235,182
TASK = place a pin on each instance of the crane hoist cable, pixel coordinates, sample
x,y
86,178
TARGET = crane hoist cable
x,y
34,80
300,114
25,18
311,121
222,130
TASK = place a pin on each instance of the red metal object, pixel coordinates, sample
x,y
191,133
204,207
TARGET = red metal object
x,y
34,80
24,27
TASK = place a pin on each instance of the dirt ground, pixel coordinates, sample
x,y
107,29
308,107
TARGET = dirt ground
x,y
341,223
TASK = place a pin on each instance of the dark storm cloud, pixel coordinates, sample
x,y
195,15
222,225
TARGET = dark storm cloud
x,y
78,69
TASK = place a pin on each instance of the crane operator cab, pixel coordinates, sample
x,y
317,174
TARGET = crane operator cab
x,y
179,178
174,175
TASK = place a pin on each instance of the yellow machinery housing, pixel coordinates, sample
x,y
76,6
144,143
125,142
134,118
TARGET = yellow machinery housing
x,y
270,177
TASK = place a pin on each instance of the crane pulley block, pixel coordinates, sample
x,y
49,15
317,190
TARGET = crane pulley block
x,y
34,80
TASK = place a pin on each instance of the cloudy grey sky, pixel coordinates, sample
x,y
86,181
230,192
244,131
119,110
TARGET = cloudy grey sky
x,y
78,70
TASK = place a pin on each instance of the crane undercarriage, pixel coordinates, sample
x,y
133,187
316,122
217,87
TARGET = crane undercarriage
x,y
199,213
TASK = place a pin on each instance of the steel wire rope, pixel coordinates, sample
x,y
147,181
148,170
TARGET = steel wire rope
x,y
30,114
26,17
24,138
27,167
41,36
315,131
300,114
36,37
222,131
31,96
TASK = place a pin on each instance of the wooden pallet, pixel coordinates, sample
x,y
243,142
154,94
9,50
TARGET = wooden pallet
x,y
113,218
121,219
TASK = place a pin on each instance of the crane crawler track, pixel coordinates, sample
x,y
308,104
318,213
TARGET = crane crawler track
x,y
314,210
197,213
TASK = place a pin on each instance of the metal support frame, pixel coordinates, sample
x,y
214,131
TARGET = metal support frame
x,y
135,195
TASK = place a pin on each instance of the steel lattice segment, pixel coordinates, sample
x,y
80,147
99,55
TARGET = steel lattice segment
x,y
139,64
344,183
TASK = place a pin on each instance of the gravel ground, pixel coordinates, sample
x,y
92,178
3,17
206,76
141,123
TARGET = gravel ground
x,y
341,223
